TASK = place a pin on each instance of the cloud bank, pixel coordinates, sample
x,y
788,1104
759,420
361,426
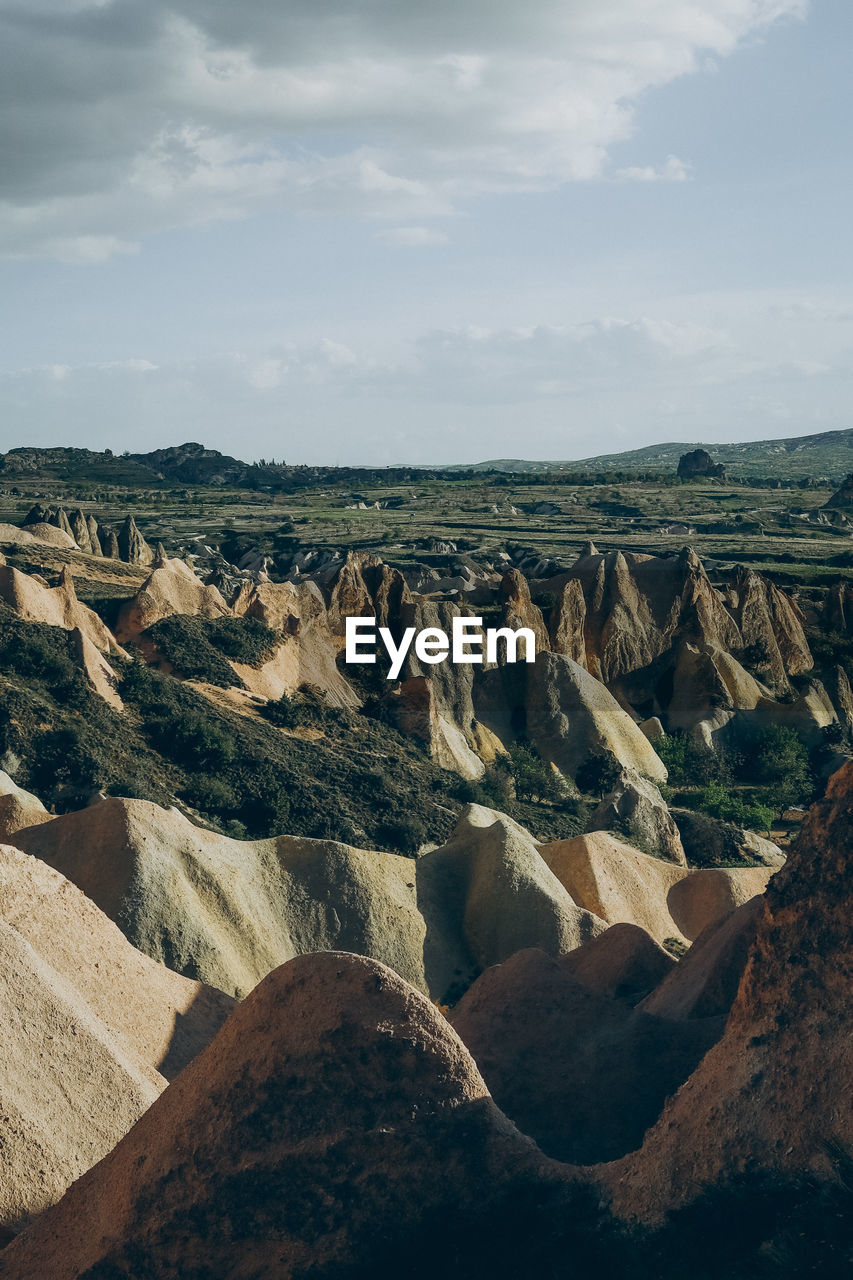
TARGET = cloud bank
x,y
127,117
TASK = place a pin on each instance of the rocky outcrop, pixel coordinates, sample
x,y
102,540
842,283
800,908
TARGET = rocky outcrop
x,y
90,1026
571,716
566,624
636,809
18,808
58,606
704,983
413,710
698,464
94,536
306,654
229,911
706,896
583,1074
171,588
109,543
80,531
711,842
771,629
624,962
842,499
616,882
132,547
776,1089
518,610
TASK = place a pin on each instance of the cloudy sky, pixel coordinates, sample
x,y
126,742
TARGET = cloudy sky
x,y
388,230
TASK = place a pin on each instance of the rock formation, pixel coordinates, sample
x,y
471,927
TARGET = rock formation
x,y
698,463
636,808
583,1074
616,882
18,808
171,588
132,547
58,606
273,1155
90,1028
229,911
777,1087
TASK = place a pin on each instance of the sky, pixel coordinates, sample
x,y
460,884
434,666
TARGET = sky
x,y
383,231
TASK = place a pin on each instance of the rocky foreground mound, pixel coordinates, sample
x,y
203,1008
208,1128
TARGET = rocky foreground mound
x,y
91,1030
336,1120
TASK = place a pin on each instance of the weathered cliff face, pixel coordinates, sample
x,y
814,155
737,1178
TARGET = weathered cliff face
x,y
364,587
567,623
776,1089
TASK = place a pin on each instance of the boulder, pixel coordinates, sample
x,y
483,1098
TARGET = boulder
x,y
616,882
698,464
711,842
635,808
704,897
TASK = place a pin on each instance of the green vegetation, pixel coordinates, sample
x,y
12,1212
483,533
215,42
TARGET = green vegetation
x,y
199,648
773,772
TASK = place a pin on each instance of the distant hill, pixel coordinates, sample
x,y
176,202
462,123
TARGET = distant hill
x,y
828,454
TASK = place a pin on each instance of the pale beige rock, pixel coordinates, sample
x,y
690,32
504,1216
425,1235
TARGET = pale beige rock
x,y
170,589
46,534
89,1024
636,808
307,653
18,808
413,710
616,882
58,606
229,911
571,716
705,896
97,670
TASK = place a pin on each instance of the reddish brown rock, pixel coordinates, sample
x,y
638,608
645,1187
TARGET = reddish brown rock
x,y
582,1074
777,1087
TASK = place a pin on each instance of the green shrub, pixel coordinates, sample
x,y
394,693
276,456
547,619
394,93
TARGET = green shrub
x,y
404,834
718,801
533,777
778,759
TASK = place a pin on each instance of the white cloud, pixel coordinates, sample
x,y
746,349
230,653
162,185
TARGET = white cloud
x,y
672,170
128,119
412,237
